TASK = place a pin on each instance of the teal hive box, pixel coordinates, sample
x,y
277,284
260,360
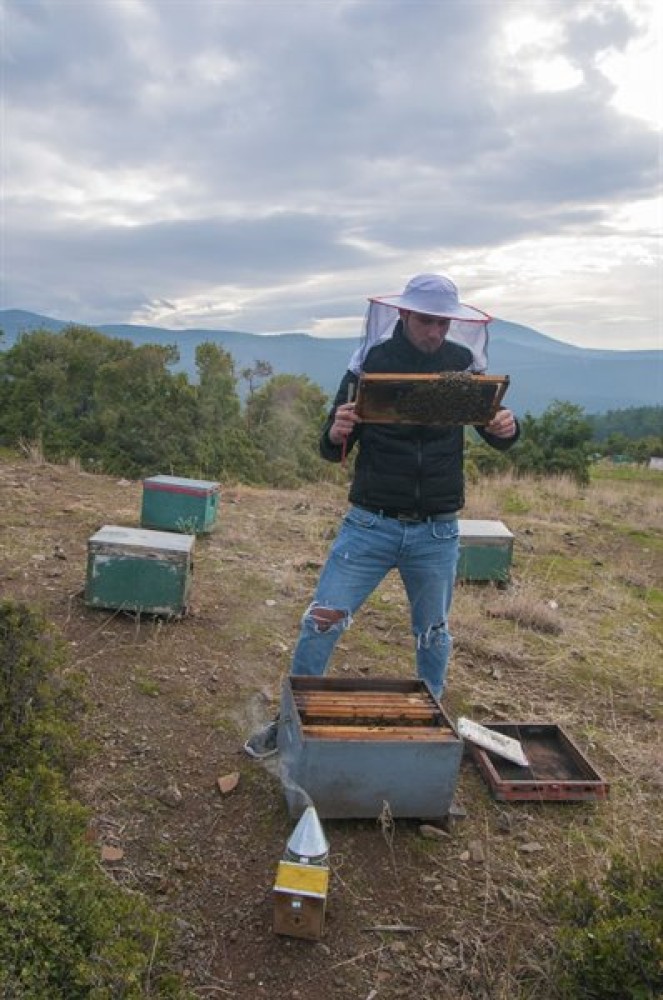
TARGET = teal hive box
x,y
133,569
174,504
486,551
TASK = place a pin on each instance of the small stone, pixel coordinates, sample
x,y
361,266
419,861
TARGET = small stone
x,y
170,795
532,847
111,855
228,782
429,832
477,852
465,856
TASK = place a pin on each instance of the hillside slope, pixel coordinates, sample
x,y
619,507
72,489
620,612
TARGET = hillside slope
x,y
575,640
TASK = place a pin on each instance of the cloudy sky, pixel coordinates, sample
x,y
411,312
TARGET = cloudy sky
x,y
264,165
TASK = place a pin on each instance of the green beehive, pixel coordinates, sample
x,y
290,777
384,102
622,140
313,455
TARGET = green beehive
x,y
174,504
133,569
486,550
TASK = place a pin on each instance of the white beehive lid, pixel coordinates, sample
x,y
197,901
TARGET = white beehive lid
x,y
499,743
142,538
181,483
484,530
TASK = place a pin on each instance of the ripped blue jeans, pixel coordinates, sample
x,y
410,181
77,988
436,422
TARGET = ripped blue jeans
x,y
366,548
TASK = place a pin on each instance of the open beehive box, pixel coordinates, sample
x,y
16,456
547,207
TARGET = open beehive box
x,y
557,769
350,745
439,399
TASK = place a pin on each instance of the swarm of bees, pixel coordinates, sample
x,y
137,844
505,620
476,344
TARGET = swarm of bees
x,y
453,398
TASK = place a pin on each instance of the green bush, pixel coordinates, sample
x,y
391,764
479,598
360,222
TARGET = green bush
x,y
36,703
67,932
610,943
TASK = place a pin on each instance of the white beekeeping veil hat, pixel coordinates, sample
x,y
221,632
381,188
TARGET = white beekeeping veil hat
x,y
432,295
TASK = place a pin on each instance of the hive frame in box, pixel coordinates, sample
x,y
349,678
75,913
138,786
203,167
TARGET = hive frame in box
x,y
379,396
510,783
350,745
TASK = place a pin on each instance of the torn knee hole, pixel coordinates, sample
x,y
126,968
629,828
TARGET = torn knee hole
x,y
324,618
433,635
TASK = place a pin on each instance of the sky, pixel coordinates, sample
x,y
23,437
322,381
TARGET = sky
x,y
265,166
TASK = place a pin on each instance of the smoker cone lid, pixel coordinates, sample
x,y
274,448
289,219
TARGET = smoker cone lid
x,y
308,840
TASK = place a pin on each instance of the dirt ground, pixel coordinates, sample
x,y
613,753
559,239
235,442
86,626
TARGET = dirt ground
x,y
171,702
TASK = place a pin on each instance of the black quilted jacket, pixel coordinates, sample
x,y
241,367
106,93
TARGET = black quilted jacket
x,y
409,468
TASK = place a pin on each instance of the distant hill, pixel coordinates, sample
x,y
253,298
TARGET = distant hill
x,y
541,369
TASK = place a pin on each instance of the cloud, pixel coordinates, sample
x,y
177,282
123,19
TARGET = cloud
x,y
267,166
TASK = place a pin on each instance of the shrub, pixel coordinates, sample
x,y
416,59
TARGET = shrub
x,y
66,931
610,944
36,704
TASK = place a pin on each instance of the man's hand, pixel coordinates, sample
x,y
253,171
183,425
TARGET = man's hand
x,y
344,420
503,424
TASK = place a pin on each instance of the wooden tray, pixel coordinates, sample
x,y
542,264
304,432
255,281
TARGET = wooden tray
x,y
441,399
557,769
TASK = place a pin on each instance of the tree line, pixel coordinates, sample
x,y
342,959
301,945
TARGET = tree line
x,y
635,434
120,409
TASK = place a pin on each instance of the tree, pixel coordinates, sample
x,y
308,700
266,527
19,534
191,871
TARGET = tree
x,y
47,386
285,416
115,406
480,458
222,443
555,443
256,373
636,422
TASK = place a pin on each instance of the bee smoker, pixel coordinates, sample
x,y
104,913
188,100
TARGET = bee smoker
x,y
302,880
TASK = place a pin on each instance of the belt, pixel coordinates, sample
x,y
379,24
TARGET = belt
x,y
408,516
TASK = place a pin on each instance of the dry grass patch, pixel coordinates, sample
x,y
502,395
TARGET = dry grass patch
x,y
528,612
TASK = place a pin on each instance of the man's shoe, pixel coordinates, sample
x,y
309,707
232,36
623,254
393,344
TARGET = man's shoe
x,y
263,743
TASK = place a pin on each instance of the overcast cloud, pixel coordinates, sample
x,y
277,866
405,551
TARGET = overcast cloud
x,y
264,166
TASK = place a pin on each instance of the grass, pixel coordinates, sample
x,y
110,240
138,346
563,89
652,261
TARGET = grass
x,y
605,472
648,539
147,686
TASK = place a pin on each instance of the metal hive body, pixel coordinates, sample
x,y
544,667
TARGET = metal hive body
x,y
356,746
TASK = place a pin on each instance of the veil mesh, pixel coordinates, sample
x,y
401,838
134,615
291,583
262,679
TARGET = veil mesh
x,y
380,321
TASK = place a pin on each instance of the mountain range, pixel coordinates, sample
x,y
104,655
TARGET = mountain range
x,y
541,369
